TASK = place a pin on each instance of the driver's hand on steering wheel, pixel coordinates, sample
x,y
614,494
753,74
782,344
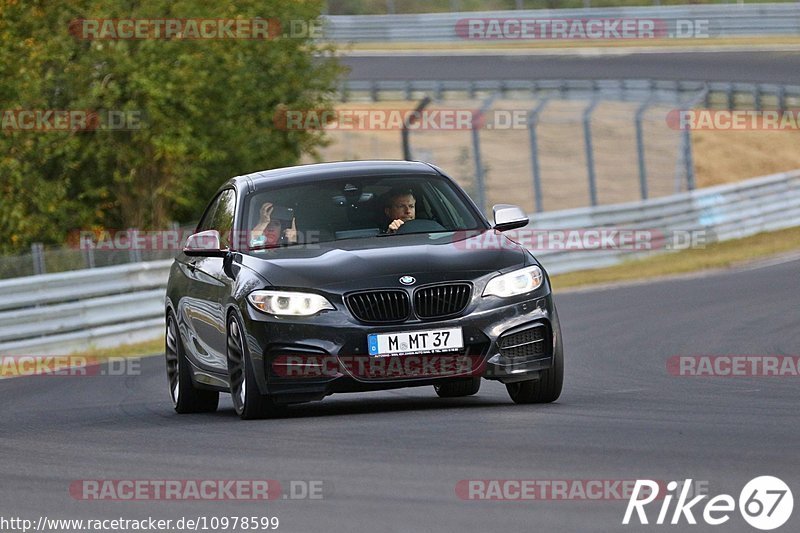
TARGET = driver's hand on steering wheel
x,y
395,225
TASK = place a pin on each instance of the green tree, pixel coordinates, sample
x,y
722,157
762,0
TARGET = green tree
x,y
206,110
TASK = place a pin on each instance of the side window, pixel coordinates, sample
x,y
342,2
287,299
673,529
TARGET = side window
x,y
208,216
219,216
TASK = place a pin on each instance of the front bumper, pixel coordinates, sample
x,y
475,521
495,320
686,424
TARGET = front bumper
x,y
297,360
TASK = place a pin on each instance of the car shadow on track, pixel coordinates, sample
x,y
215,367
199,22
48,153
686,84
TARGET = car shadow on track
x,y
366,406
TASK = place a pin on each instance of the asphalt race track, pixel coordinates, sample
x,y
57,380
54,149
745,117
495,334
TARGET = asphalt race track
x,y
755,67
390,461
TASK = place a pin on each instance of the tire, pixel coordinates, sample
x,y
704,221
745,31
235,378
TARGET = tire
x,y
248,402
546,389
457,389
186,398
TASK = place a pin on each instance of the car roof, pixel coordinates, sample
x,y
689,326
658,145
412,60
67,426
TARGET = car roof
x,y
330,171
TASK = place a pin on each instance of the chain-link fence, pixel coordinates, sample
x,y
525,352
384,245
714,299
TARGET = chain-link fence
x,y
507,154
543,150
544,144
100,250
581,152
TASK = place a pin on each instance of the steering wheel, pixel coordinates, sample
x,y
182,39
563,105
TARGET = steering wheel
x,y
420,225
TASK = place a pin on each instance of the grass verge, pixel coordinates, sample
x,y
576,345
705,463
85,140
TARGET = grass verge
x,y
139,349
76,363
718,255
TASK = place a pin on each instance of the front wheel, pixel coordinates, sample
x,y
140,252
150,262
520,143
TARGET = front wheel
x,y
546,389
186,398
248,401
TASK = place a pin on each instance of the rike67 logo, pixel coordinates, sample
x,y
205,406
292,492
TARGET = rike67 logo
x,y
765,503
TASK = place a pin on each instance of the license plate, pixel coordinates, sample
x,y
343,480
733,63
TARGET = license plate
x,y
401,343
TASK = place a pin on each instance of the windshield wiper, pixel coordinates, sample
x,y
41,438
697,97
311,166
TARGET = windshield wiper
x,y
414,232
272,246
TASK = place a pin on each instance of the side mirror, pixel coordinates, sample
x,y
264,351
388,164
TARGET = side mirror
x,y
507,216
204,244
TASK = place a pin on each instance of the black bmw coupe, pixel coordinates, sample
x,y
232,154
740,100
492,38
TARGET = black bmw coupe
x,y
357,276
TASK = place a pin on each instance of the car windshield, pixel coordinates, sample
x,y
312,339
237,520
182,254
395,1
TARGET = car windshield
x,y
358,208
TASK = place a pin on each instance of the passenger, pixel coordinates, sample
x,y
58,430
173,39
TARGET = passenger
x,y
270,229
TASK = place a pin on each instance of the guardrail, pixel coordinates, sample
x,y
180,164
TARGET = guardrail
x,y
102,307
724,20
720,213
70,311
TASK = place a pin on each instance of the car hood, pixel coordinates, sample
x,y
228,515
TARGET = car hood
x,y
380,261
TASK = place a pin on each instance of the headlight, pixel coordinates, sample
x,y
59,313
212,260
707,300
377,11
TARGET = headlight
x,y
514,283
284,303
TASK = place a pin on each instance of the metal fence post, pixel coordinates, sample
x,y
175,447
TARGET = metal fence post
x,y
87,245
587,136
686,143
134,253
731,98
757,97
37,254
640,146
688,163
534,88
480,178
439,91
407,124
533,121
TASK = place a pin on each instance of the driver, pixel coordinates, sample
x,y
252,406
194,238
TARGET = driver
x,y
399,208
